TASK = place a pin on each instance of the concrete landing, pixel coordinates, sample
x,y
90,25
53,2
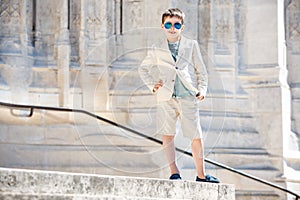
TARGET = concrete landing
x,y
19,184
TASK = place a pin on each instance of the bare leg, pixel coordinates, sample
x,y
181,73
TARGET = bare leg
x,y
169,149
198,155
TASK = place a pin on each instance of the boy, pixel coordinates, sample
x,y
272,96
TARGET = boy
x,y
180,85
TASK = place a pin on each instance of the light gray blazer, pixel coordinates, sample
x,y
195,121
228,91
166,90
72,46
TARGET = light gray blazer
x,y
189,67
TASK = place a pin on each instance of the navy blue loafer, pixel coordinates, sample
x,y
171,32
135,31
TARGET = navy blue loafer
x,y
175,177
208,178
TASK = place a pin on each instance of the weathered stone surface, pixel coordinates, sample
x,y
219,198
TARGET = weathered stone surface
x,y
85,54
18,184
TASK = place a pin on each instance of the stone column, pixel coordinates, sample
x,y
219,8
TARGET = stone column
x,y
93,54
10,18
265,65
225,104
293,60
292,154
16,70
74,32
264,62
23,29
82,32
222,47
63,53
133,16
47,21
204,27
218,42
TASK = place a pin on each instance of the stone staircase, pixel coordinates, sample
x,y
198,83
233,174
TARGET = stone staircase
x,y
72,143
230,128
20,184
90,148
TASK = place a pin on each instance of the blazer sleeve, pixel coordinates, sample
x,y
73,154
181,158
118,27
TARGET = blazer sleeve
x,y
200,69
145,70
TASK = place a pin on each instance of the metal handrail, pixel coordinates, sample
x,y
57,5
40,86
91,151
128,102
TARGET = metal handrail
x,y
59,109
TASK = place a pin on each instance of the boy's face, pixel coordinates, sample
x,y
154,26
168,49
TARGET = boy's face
x,y
173,31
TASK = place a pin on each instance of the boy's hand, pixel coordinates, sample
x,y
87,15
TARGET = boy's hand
x,y
157,85
199,96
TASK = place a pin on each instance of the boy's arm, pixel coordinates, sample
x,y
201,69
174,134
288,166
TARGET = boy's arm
x,y
200,70
145,69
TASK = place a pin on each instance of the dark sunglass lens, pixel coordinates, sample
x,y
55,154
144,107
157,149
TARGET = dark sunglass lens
x,y
177,25
168,25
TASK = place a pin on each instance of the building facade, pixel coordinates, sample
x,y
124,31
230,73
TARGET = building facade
x,y
85,54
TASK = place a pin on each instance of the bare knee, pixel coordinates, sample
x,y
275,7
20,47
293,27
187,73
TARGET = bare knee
x,y
168,137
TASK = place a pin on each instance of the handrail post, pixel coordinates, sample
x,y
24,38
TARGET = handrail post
x,y
22,115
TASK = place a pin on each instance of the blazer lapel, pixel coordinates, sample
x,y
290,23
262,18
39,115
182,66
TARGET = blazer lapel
x,y
164,45
181,48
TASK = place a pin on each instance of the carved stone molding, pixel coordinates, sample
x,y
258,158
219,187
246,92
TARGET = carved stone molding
x,y
74,26
294,20
96,18
293,26
223,22
9,17
133,14
75,14
29,18
240,20
223,7
204,20
15,26
9,11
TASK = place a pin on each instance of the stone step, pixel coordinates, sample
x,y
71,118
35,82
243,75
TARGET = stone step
x,y
250,195
229,139
143,119
257,163
215,125
257,159
131,158
244,186
21,196
89,147
70,134
89,186
228,122
126,159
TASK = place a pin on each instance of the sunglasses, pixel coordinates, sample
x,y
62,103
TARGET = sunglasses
x,y
168,25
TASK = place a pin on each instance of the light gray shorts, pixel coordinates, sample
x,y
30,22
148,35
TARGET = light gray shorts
x,y
185,109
